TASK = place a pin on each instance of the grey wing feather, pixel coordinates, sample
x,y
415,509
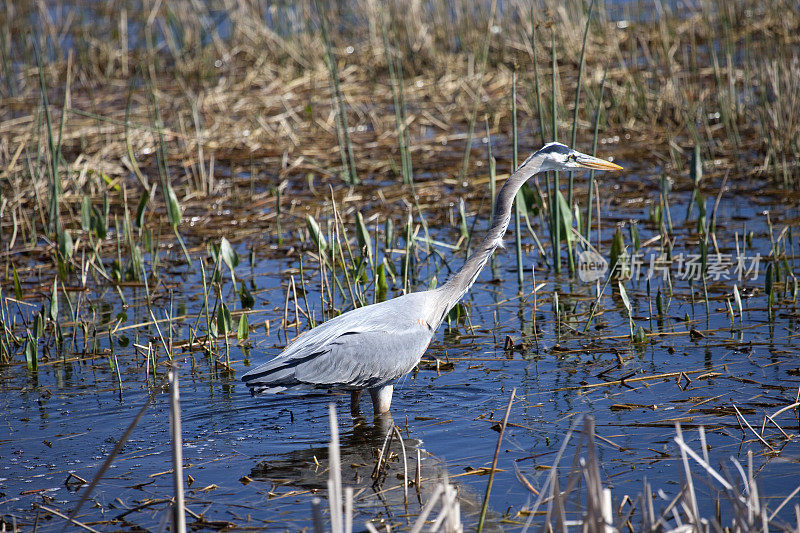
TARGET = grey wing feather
x,y
366,359
364,348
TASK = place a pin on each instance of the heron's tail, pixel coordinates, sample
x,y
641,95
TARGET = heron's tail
x,y
271,377
256,390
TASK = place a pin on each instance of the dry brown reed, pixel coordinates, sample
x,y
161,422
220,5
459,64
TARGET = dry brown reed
x,y
252,91
578,496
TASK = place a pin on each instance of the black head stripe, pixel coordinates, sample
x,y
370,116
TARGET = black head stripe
x,y
555,148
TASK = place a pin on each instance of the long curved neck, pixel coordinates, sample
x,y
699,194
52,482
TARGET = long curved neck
x,y
458,285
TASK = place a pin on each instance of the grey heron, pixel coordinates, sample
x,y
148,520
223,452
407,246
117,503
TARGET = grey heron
x,y
371,347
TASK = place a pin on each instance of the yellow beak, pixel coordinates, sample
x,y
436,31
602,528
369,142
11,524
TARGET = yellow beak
x,y
596,163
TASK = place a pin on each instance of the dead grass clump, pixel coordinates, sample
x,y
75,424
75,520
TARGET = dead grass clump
x,y
778,89
576,495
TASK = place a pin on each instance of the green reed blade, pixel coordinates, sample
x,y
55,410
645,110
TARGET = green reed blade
x,y
578,95
594,153
536,87
555,227
519,201
401,124
345,145
54,219
477,101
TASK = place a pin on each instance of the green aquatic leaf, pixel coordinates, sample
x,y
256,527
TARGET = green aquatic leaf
x,y
229,257
65,244
246,297
617,257
173,206
30,353
17,286
224,321
696,170
656,215
140,209
565,219
533,202
244,328
633,230
576,216
768,279
99,223
624,295
626,301
54,302
738,299
59,335
388,234
660,303
38,325
228,254
316,234
382,285
364,240
86,213
390,268
462,214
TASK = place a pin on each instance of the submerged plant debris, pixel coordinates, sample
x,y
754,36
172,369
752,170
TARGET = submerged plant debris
x,y
199,183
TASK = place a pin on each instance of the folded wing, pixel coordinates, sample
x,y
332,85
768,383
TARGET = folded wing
x,y
333,357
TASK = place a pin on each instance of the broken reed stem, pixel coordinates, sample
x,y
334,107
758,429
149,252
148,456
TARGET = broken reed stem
x,y
405,463
494,462
61,515
179,513
335,473
387,441
746,423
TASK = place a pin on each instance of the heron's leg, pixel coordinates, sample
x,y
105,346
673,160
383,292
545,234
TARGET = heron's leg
x,y
382,422
355,398
381,399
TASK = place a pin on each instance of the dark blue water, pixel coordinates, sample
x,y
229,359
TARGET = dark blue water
x,y
254,460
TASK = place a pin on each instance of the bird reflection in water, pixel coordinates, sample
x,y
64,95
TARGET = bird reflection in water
x,y
375,475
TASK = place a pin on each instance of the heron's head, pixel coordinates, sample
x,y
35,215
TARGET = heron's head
x,y
556,156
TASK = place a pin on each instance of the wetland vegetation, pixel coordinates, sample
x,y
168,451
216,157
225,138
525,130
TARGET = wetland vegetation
x,y
191,185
